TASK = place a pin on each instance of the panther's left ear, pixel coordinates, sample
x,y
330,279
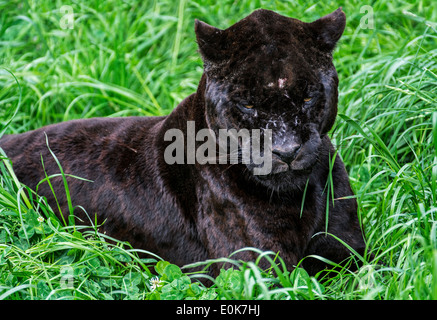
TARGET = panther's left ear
x,y
328,29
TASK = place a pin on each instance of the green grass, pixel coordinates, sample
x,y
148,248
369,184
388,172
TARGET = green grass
x,y
139,58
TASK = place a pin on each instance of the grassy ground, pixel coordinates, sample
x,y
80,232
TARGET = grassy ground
x,y
139,58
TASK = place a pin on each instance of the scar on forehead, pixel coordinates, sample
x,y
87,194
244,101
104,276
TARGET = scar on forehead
x,y
281,83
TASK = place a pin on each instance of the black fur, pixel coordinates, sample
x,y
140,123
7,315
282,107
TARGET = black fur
x,y
259,74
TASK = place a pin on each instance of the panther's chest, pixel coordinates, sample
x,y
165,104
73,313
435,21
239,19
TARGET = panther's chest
x,y
228,221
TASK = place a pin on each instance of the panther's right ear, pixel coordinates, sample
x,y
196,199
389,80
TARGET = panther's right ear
x,y
211,41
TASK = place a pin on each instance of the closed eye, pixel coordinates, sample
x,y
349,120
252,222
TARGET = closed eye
x,y
307,99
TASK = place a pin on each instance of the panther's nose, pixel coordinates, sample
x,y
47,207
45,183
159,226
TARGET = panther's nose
x,y
287,155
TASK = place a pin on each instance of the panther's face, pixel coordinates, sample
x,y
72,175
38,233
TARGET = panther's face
x,y
270,72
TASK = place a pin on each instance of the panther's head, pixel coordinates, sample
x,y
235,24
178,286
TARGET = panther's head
x,y
269,71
